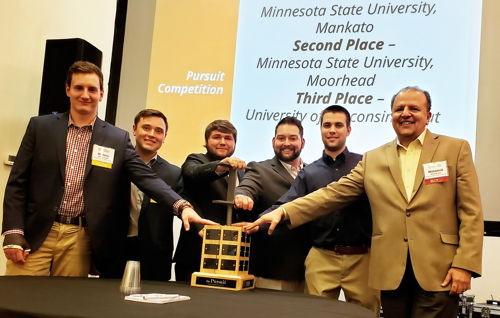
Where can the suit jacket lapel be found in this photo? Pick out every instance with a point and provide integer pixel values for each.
(97, 138)
(395, 166)
(60, 136)
(278, 167)
(431, 142)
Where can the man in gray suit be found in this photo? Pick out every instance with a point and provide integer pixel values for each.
(278, 260)
(66, 196)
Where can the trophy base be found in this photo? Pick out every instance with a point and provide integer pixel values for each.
(219, 281)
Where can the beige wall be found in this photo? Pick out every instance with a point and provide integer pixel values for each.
(487, 150)
(487, 134)
(135, 62)
(25, 26)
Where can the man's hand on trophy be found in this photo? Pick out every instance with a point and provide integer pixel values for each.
(230, 163)
(189, 215)
(274, 217)
(244, 224)
(243, 202)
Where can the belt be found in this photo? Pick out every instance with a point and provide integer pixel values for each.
(349, 250)
(74, 220)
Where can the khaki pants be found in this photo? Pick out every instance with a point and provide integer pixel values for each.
(65, 252)
(327, 272)
(276, 284)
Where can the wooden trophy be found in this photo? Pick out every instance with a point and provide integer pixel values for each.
(225, 254)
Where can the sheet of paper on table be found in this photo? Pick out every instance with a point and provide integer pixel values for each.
(157, 298)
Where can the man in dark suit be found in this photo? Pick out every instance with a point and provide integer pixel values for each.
(426, 211)
(66, 196)
(277, 261)
(150, 238)
(204, 180)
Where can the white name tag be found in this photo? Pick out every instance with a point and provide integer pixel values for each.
(102, 156)
(435, 172)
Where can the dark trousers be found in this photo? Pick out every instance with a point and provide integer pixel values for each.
(409, 300)
(156, 266)
(133, 249)
(183, 272)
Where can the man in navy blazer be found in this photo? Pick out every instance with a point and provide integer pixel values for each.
(66, 198)
(150, 237)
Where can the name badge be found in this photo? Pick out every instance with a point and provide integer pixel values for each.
(435, 172)
(102, 156)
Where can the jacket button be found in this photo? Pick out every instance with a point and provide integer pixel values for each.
(408, 214)
(405, 239)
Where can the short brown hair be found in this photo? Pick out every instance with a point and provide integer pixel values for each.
(289, 120)
(87, 68)
(148, 112)
(222, 126)
(336, 109)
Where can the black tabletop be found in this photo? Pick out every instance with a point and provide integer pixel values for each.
(81, 297)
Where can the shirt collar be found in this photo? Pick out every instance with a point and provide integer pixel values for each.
(340, 156)
(70, 122)
(289, 167)
(153, 160)
(420, 139)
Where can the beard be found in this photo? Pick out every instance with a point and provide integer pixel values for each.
(213, 153)
(287, 158)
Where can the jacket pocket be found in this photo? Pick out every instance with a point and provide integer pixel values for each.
(449, 238)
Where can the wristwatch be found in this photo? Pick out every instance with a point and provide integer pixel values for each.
(180, 205)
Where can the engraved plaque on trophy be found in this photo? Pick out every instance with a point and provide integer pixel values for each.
(225, 253)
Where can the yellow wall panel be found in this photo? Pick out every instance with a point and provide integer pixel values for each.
(197, 36)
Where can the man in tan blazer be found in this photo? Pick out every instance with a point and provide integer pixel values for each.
(427, 218)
